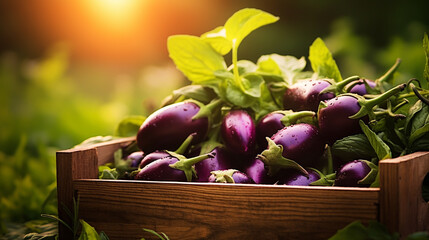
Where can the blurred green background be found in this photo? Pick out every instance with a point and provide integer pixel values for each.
(70, 70)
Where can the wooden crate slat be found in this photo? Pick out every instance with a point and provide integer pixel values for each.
(223, 211)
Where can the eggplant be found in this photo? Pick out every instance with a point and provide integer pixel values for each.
(296, 178)
(174, 167)
(359, 87)
(222, 160)
(301, 143)
(357, 173)
(306, 95)
(257, 171)
(339, 117)
(229, 176)
(135, 158)
(274, 121)
(168, 127)
(238, 132)
(164, 153)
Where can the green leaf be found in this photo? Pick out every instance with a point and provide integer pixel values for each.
(161, 236)
(419, 133)
(353, 147)
(236, 96)
(195, 58)
(354, 231)
(94, 140)
(246, 67)
(88, 232)
(103, 236)
(129, 126)
(108, 173)
(381, 148)
(426, 71)
(418, 236)
(252, 85)
(245, 21)
(197, 92)
(288, 67)
(322, 61)
(217, 39)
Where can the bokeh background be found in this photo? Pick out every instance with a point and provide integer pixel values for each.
(70, 70)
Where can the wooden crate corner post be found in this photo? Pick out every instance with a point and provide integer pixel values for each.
(402, 207)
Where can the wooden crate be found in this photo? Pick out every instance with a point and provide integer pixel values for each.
(121, 208)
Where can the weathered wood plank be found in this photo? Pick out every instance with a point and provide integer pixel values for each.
(80, 163)
(403, 209)
(219, 211)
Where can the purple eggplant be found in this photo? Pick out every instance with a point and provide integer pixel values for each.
(296, 178)
(301, 143)
(357, 173)
(238, 132)
(135, 158)
(229, 176)
(359, 87)
(274, 121)
(257, 171)
(306, 95)
(222, 160)
(153, 156)
(168, 127)
(339, 117)
(171, 168)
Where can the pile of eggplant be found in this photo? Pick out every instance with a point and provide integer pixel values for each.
(275, 121)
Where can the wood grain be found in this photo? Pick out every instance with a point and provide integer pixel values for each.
(222, 211)
(80, 163)
(403, 209)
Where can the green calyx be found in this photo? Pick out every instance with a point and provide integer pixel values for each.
(182, 148)
(187, 164)
(224, 176)
(291, 117)
(207, 110)
(338, 88)
(367, 105)
(274, 160)
(371, 176)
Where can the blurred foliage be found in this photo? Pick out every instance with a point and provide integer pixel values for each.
(43, 110)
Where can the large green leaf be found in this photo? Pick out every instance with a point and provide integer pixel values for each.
(286, 66)
(243, 22)
(195, 57)
(322, 62)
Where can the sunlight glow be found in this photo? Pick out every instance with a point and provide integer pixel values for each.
(118, 14)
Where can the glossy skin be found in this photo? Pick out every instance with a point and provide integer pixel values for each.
(305, 95)
(169, 126)
(351, 173)
(160, 170)
(301, 143)
(238, 132)
(238, 177)
(334, 121)
(360, 87)
(222, 160)
(267, 127)
(295, 178)
(135, 157)
(151, 157)
(256, 170)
